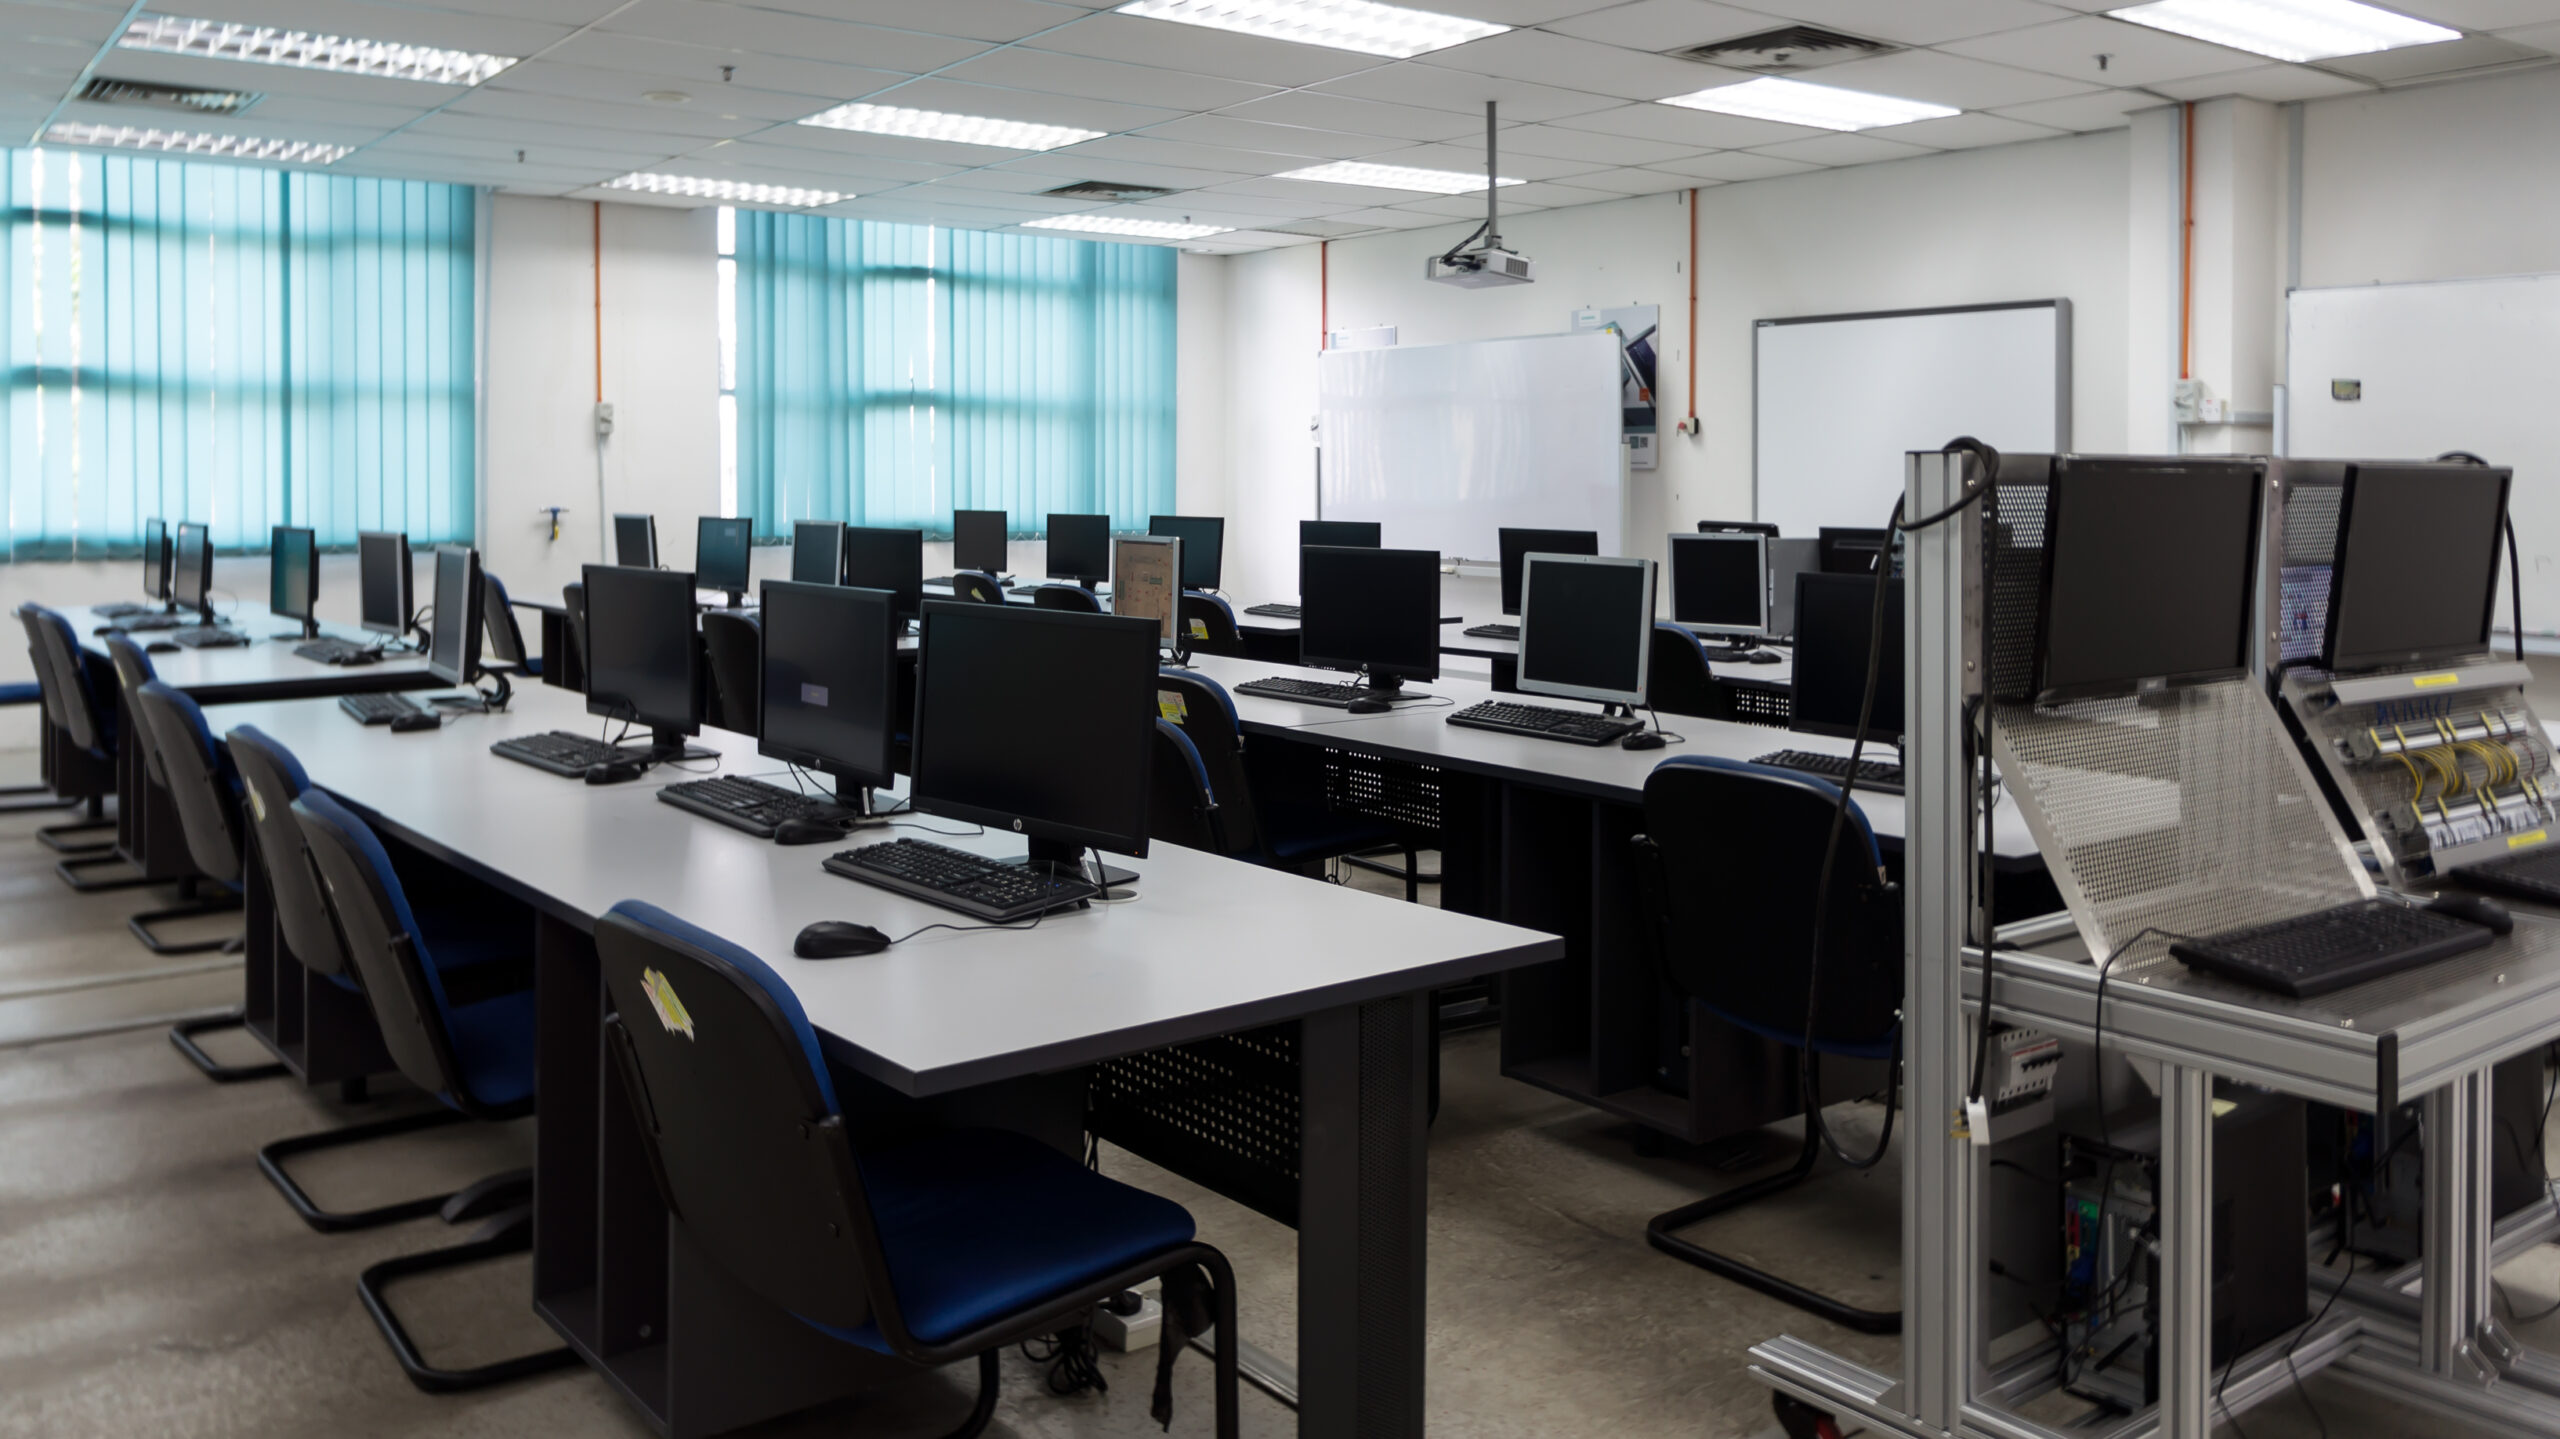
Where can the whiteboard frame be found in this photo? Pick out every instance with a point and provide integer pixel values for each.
(2060, 305)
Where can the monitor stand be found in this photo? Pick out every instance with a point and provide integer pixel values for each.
(667, 746)
(1060, 858)
(1389, 688)
(1729, 651)
(856, 800)
(310, 631)
(737, 598)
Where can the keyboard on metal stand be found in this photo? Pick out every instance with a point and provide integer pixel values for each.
(209, 639)
(1313, 692)
(1494, 632)
(335, 652)
(1570, 726)
(749, 804)
(2528, 874)
(1874, 775)
(559, 752)
(2330, 949)
(378, 709)
(992, 890)
(1273, 612)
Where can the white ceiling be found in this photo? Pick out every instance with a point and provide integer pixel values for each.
(1211, 114)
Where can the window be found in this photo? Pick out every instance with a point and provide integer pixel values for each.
(888, 374)
(237, 346)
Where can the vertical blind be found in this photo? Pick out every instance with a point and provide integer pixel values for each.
(890, 374)
(236, 346)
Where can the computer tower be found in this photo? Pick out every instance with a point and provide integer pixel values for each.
(2381, 1168)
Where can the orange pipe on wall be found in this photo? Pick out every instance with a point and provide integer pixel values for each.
(2187, 252)
(1692, 262)
(1324, 293)
(599, 226)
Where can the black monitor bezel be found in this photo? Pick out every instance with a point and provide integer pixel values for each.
(910, 587)
(203, 596)
(156, 559)
(440, 624)
(651, 522)
(310, 544)
(404, 569)
(702, 527)
(1830, 539)
(1192, 564)
(1429, 670)
(1891, 732)
(626, 710)
(1003, 522)
(2066, 465)
(1377, 541)
(1050, 545)
(1514, 556)
(802, 527)
(2339, 578)
(848, 597)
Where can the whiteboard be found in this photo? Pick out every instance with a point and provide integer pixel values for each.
(2447, 365)
(1444, 445)
(1838, 400)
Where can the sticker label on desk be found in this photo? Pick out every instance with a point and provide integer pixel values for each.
(1170, 705)
(2519, 841)
(2428, 682)
(662, 998)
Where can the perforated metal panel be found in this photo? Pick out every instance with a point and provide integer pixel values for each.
(1224, 1112)
(1395, 790)
(1753, 705)
(2309, 549)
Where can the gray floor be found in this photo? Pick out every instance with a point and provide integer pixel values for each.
(151, 1282)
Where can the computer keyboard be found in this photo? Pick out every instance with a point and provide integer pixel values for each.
(1494, 632)
(558, 752)
(748, 804)
(2329, 949)
(209, 639)
(378, 709)
(1313, 692)
(1273, 612)
(335, 652)
(2529, 874)
(1571, 726)
(1872, 774)
(119, 610)
(147, 624)
(987, 889)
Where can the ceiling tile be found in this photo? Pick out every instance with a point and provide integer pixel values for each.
(2137, 54)
(539, 110)
(2104, 110)
(1052, 73)
(1459, 207)
(1920, 22)
(1659, 25)
(1581, 65)
(1173, 46)
(1967, 84)
(1367, 117)
(1968, 131)
(64, 24)
(633, 87)
(1735, 165)
(1633, 181)
(1517, 12)
(1469, 160)
(549, 12)
(961, 98)
(2480, 14)
(1843, 150)
(700, 65)
(1388, 218)
(1179, 152)
(1411, 82)
(513, 130)
(1065, 166)
(825, 140)
(1556, 142)
(1697, 129)
(2540, 37)
(406, 24)
(305, 110)
(500, 155)
(2418, 62)
(2273, 83)
(879, 170)
(1553, 195)
(1009, 181)
(994, 20)
(1315, 197)
(748, 29)
(1295, 140)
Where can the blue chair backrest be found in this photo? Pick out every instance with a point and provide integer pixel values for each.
(271, 779)
(1067, 597)
(1206, 714)
(498, 619)
(201, 781)
(1209, 624)
(978, 586)
(381, 939)
(134, 669)
(84, 715)
(1181, 808)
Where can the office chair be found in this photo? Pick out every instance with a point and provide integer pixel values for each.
(133, 671)
(573, 597)
(1269, 830)
(1679, 681)
(1731, 911)
(931, 1249)
(89, 724)
(1067, 597)
(734, 644)
(977, 586)
(506, 638)
(29, 798)
(1181, 807)
(1209, 625)
(62, 785)
(476, 1057)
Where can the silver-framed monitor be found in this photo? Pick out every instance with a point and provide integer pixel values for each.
(1586, 627)
(1147, 582)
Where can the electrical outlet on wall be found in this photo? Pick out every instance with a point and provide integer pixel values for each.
(604, 419)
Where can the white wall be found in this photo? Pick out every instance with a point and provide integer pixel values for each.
(2436, 183)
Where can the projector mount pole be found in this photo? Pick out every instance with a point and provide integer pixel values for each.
(1492, 222)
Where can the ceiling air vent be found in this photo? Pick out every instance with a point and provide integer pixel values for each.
(191, 99)
(1785, 51)
(1105, 190)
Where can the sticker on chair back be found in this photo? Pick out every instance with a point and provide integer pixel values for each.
(258, 806)
(662, 998)
(1170, 705)
(1199, 629)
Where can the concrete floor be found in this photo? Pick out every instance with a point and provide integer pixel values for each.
(151, 1282)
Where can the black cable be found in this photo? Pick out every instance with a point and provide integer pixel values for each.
(1016, 928)
(1450, 256)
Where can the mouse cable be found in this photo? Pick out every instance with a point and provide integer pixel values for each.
(1667, 736)
(1016, 928)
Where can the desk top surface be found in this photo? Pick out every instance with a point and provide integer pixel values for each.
(1210, 945)
(263, 664)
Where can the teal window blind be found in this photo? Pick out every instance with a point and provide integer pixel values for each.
(236, 346)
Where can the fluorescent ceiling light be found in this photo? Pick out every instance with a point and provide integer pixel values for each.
(188, 142)
(1825, 107)
(960, 129)
(736, 192)
(266, 45)
(2289, 29)
(1126, 225)
(1360, 25)
(1391, 177)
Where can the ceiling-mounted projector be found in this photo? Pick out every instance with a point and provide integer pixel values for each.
(1488, 264)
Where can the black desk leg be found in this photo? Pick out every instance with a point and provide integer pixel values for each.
(1363, 1192)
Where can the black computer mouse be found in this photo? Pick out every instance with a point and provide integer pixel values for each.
(838, 939)
(412, 723)
(1761, 657)
(362, 657)
(620, 771)
(1643, 739)
(1369, 707)
(160, 647)
(2477, 909)
(807, 831)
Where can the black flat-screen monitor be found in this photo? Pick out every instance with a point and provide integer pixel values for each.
(191, 570)
(721, 548)
(1204, 542)
(2415, 580)
(1376, 611)
(817, 552)
(1851, 552)
(293, 573)
(453, 636)
(644, 656)
(831, 682)
(155, 559)
(1080, 548)
(1076, 776)
(1518, 544)
(1737, 527)
(1835, 614)
(978, 540)
(1720, 583)
(892, 560)
(2148, 564)
(382, 581)
(1336, 534)
(635, 541)
(1586, 627)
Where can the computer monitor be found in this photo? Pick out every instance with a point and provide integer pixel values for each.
(817, 552)
(892, 560)
(1737, 527)
(293, 576)
(831, 683)
(155, 559)
(1074, 774)
(382, 581)
(978, 540)
(1147, 582)
(2416, 575)
(1375, 611)
(1586, 628)
(720, 552)
(1834, 616)
(1204, 543)
(635, 541)
(1335, 534)
(1788, 558)
(453, 635)
(1518, 544)
(191, 571)
(1720, 584)
(2148, 566)
(1851, 551)
(1080, 548)
(644, 656)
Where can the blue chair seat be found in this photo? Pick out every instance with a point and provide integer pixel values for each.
(979, 1224)
(493, 1047)
(1296, 831)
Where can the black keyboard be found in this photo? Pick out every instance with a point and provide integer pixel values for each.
(377, 709)
(2528, 874)
(119, 610)
(1571, 726)
(1494, 632)
(1273, 612)
(2329, 949)
(335, 652)
(558, 752)
(148, 624)
(749, 804)
(1872, 774)
(987, 889)
(1313, 692)
(209, 639)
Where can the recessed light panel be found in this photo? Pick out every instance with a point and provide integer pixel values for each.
(1360, 25)
(959, 129)
(1825, 107)
(1126, 225)
(2294, 30)
(267, 45)
(1391, 177)
(189, 142)
(735, 192)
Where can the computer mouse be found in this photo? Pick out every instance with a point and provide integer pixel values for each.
(362, 657)
(1369, 707)
(412, 723)
(2477, 909)
(838, 939)
(1761, 657)
(806, 831)
(620, 771)
(160, 647)
(1643, 739)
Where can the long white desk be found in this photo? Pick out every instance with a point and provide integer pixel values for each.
(264, 668)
